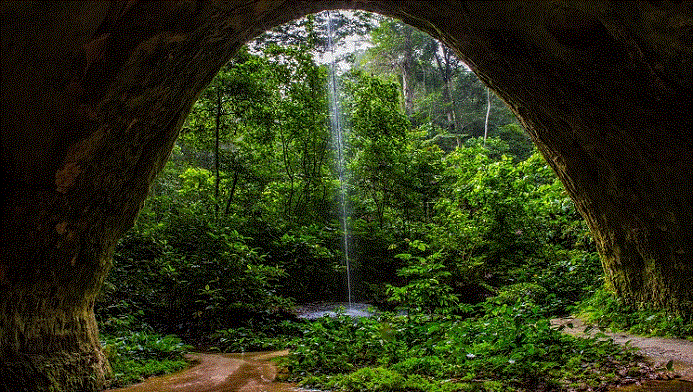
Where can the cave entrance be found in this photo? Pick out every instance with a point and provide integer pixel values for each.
(100, 91)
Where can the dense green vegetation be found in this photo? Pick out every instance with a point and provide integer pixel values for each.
(496, 347)
(137, 351)
(469, 246)
(607, 311)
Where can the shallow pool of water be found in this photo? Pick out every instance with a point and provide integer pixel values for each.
(331, 309)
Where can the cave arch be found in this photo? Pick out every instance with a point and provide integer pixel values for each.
(94, 94)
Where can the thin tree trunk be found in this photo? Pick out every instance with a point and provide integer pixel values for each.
(446, 75)
(406, 67)
(217, 120)
(231, 192)
(488, 111)
(289, 172)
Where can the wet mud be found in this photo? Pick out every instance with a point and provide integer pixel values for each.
(248, 372)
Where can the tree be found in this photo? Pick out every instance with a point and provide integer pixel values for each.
(395, 47)
(302, 128)
(344, 24)
(378, 134)
(232, 118)
(437, 87)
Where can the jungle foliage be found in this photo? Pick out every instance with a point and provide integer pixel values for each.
(494, 346)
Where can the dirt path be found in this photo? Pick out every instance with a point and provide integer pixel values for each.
(250, 372)
(658, 350)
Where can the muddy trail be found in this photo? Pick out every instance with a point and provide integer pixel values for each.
(248, 372)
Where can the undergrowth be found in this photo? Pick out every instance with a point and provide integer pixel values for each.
(135, 351)
(497, 347)
(264, 336)
(607, 311)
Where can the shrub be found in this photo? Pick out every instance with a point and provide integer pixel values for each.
(509, 346)
(136, 355)
(608, 311)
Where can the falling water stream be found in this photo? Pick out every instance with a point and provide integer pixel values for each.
(338, 139)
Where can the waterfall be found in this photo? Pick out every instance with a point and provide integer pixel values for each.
(338, 139)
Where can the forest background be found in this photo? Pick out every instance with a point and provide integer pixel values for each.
(457, 228)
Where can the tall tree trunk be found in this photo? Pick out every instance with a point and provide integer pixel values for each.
(407, 68)
(445, 69)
